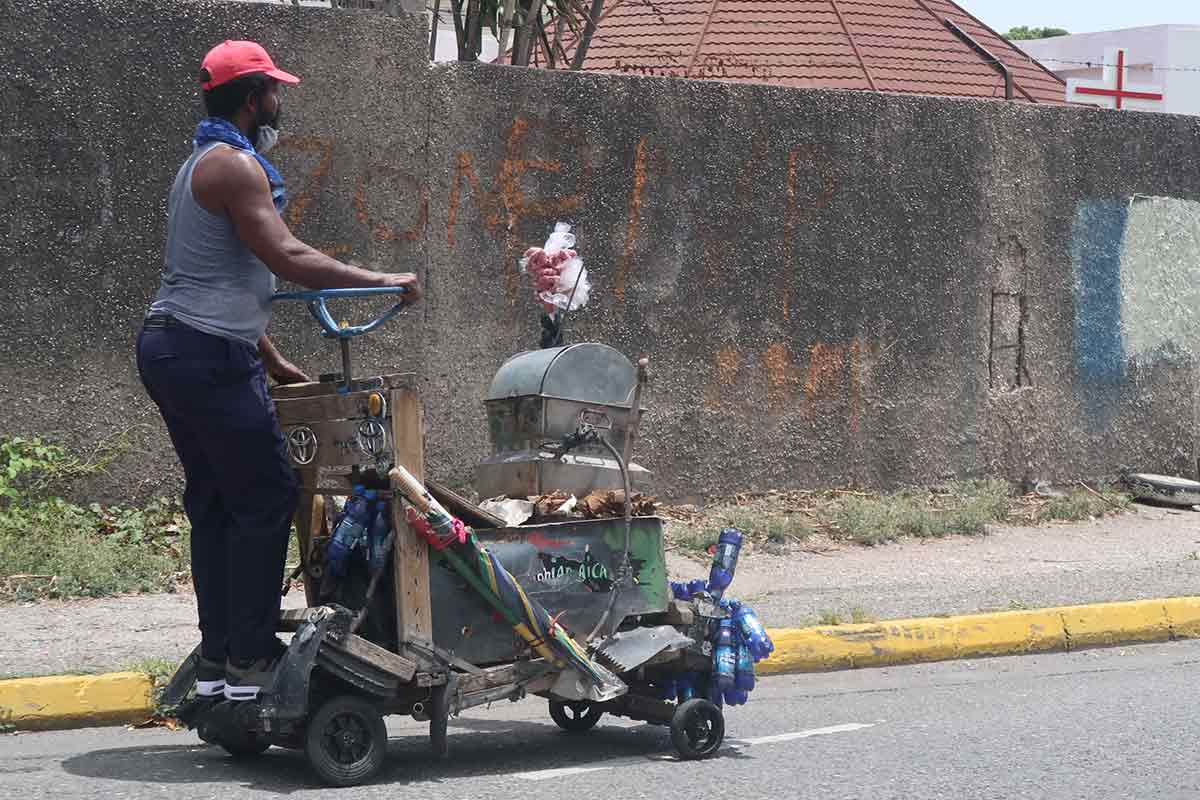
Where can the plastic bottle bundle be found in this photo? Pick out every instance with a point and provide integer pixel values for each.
(349, 530)
(738, 637)
(560, 281)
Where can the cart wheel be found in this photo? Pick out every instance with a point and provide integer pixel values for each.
(439, 715)
(246, 746)
(697, 729)
(225, 725)
(574, 717)
(346, 741)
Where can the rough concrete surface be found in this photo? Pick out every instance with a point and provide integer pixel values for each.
(832, 286)
(1150, 554)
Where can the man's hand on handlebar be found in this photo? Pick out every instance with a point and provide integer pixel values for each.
(406, 280)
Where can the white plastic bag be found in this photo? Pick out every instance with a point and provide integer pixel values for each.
(560, 280)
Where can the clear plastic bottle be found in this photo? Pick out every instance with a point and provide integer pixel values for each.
(378, 544)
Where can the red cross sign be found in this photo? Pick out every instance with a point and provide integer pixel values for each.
(1114, 90)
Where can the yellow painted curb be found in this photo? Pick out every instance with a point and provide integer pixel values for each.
(908, 641)
(75, 701)
(85, 700)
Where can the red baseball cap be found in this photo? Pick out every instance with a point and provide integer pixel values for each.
(230, 60)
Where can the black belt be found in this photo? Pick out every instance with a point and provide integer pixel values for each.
(160, 321)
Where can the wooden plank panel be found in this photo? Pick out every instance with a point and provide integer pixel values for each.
(320, 388)
(346, 442)
(414, 618)
(375, 655)
(327, 407)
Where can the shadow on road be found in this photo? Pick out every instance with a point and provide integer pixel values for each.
(477, 748)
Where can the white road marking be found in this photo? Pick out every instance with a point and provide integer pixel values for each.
(787, 737)
(547, 774)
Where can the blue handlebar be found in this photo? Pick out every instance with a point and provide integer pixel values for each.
(329, 328)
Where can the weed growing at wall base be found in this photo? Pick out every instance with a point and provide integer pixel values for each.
(50, 547)
(964, 507)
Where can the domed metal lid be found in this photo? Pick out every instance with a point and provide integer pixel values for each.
(587, 372)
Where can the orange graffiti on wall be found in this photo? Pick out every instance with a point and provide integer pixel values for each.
(834, 381)
(781, 374)
(635, 218)
(505, 205)
(726, 364)
(801, 207)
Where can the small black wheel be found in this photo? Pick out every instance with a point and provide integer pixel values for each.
(346, 741)
(697, 729)
(246, 746)
(231, 726)
(576, 717)
(439, 715)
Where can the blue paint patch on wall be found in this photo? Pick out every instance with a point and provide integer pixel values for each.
(1096, 238)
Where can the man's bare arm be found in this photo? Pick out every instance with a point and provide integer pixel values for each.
(236, 183)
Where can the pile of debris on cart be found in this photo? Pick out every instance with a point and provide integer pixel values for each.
(561, 506)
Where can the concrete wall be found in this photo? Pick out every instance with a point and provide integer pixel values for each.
(831, 286)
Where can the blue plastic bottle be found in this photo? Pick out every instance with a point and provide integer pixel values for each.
(744, 675)
(724, 656)
(680, 591)
(378, 544)
(753, 633)
(696, 586)
(724, 563)
(736, 697)
(349, 531)
(685, 686)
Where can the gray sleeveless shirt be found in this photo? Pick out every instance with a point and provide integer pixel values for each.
(211, 281)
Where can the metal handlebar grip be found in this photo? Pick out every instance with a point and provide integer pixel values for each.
(330, 329)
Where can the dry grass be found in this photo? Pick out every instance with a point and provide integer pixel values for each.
(776, 522)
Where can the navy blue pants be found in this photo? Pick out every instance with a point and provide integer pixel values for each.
(241, 491)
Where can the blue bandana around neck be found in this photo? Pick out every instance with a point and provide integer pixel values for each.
(216, 129)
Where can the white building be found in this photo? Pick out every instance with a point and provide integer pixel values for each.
(1163, 56)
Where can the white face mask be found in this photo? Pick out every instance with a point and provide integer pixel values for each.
(266, 139)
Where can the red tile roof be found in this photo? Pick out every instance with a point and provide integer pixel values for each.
(882, 45)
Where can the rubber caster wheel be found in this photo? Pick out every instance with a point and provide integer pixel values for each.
(575, 717)
(346, 741)
(697, 729)
(247, 746)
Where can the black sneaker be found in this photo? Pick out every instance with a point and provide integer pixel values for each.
(244, 679)
(210, 677)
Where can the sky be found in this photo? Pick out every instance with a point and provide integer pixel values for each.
(1083, 16)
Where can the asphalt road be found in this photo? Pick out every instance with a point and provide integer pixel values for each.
(1098, 724)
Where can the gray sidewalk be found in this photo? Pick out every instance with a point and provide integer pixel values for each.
(1149, 553)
